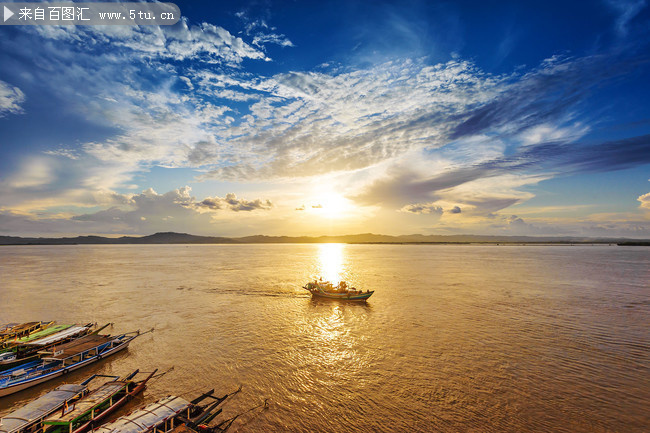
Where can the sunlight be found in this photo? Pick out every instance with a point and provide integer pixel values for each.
(331, 262)
(332, 205)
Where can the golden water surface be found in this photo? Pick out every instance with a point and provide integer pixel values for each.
(456, 338)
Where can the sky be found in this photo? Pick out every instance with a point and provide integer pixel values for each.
(332, 118)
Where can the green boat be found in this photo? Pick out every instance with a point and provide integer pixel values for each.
(94, 408)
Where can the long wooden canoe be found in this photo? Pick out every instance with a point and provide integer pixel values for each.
(62, 360)
(166, 414)
(95, 408)
(29, 418)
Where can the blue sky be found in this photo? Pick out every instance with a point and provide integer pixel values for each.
(310, 118)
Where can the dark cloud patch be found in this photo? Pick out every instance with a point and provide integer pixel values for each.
(402, 187)
(231, 202)
(571, 158)
(547, 94)
(399, 187)
(455, 209)
(423, 208)
(212, 203)
(203, 152)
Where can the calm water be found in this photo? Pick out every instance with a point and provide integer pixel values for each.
(455, 338)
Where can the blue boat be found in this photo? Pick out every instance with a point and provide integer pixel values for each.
(63, 359)
(325, 289)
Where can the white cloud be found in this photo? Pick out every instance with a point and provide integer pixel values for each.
(645, 201)
(11, 98)
(262, 39)
(551, 132)
(314, 123)
(203, 42)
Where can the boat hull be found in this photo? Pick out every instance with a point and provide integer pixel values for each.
(6, 365)
(342, 297)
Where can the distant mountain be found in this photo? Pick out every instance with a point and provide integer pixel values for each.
(365, 238)
(158, 238)
(181, 238)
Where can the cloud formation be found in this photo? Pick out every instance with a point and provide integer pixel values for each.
(203, 42)
(145, 212)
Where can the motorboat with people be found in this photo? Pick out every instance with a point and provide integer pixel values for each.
(341, 291)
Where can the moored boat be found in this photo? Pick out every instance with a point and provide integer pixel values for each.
(63, 359)
(325, 289)
(94, 408)
(166, 414)
(13, 332)
(29, 418)
(44, 332)
(28, 349)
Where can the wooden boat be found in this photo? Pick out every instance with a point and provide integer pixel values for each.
(28, 349)
(341, 292)
(63, 359)
(95, 407)
(29, 418)
(168, 413)
(13, 332)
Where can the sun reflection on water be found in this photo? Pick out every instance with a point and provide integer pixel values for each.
(331, 262)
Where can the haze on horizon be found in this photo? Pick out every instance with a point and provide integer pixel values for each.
(317, 119)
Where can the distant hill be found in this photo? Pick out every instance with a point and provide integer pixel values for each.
(158, 238)
(365, 238)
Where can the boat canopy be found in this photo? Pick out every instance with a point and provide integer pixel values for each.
(37, 409)
(78, 346)
(93, 399)
(43, 333)
(61, 335)
(146, 418)
(23, 327)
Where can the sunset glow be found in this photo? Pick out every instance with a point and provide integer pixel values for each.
(240, 120)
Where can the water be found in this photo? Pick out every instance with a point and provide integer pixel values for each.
(455, 338)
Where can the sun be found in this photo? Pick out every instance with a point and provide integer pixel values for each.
(332, 205)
